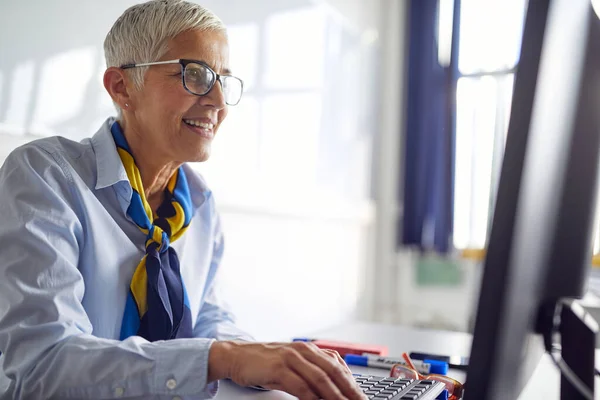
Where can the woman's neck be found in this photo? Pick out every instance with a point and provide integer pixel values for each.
(154, 169)
(155, 179)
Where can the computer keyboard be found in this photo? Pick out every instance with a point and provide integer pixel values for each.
(378, 388)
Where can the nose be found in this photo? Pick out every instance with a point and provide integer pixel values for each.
(215, 98)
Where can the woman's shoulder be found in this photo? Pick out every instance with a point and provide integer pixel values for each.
(55, 146)
(49, 158)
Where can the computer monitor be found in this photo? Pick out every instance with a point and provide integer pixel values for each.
(540, 243)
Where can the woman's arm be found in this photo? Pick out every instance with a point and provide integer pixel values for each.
(45, 334)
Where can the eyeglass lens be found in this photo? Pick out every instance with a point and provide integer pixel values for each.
(199, 80)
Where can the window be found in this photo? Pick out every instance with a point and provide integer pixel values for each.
(489, 45)
(303, 129)
(270, 139)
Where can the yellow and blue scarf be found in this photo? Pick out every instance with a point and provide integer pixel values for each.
(157, 306)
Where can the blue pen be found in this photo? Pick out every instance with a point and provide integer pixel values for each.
(375, 361)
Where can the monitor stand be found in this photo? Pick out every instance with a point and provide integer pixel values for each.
(578, 332)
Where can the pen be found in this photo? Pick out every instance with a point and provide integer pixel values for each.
(374, 361)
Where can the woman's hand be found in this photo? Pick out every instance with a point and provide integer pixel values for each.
(299, 368)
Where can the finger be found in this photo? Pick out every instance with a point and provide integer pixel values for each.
(336, 372)
(318, 380)
(338, 358)
(290, 382)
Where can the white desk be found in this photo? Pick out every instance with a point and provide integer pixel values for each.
(543, 385)
(591, 302)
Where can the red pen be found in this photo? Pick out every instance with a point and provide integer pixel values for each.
(345, 348)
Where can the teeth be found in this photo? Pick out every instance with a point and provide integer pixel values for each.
(205, 125)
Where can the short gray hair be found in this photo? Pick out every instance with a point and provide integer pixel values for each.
(142, 33)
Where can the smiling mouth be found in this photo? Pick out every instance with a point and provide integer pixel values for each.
(204, 129)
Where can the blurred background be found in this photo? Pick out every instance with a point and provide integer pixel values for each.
(357, 177)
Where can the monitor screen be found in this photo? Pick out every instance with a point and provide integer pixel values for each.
(540, 242)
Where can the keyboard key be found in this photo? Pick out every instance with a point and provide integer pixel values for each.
(398, 386)
(421, 387)
(409, 396)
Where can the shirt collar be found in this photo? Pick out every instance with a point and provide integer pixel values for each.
(110, 170)
(199, 191)
(109, 167)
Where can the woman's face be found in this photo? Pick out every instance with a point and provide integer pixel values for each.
(167, 115)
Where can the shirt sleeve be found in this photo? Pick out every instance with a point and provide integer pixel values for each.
(214, 319)
(46, 341)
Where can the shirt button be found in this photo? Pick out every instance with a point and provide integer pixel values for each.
(171, 384)
(119, 392)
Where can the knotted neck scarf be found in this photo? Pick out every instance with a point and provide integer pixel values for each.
(157, 306)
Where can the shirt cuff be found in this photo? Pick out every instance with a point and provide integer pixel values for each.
(182, 368)
(228, 331)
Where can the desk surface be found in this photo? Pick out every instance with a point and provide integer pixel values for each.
(543, 385)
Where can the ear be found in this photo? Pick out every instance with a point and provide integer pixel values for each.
(118, 86)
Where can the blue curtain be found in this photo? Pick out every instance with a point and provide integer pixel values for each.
(430, 134)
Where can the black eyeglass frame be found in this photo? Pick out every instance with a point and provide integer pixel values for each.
(184, 63)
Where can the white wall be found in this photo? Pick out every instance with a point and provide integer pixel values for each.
(361, 16)
(387, 168)
(291, 167)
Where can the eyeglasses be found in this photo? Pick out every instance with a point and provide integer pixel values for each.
(454, 387)
(199, 79)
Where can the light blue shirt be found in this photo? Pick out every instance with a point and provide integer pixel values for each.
(67, 254)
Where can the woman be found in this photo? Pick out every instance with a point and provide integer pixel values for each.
(111, 246)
